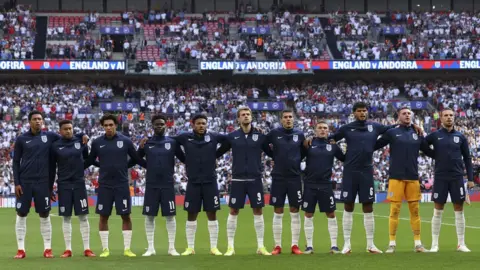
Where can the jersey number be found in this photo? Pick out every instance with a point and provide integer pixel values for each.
(125, 203)
(83, 203)
(259, 197)
(371, 191)
(171, 204)
(299, 194)
(332, 202)
(215, 200)
(47, 200)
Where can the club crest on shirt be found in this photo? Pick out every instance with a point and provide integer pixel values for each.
(370, 128)
(168, 146)
(77, 145)
(415, 136)
(456, 139)
(207, 138)
(329, 147)
(233, 200)
(345, 194)
(119, 144)
(100, 207)
(295, 138)
(255, 137)
(44, 138)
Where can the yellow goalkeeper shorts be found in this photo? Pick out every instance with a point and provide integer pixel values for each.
(399, 190)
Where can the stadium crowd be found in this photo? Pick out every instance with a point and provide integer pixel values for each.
(18, 27)
(311, 102)
(425, 35)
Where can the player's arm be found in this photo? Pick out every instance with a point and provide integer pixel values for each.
(383, 141)
(430, 139)
(338, 135)
(179, 152)
(339, 153)
(52, 170)
(224, 147)
(425, 148)
(133, 154)
(92, 157)
(17, 157)
(303, 150)
(266, 146)
(467, 159)
(384, 128)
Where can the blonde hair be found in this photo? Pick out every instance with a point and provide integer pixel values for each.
(243, 108)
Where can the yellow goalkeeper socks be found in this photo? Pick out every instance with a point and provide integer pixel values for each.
(415, 219)
(393, 219)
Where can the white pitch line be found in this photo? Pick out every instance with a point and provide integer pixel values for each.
(424, 221)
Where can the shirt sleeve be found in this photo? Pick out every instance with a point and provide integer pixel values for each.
(338, 135)
(224, 147)
(133, 154)
(339, 153)
(384, 128)
(467, 159)
(92, 157)
(52, 170)
(17, 157)
(425, 148)
(382, 141)
(179, 152)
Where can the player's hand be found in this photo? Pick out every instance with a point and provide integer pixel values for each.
(18, 191)
(85, 139)
(53, 196)
(419, 130)
(143, 142)
(308, 142)
(470, 184)
(257, 129)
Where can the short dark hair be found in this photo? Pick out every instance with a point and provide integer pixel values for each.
(359, 105)
(32, 113)
(447, 109)
(199, 116)
(108, 117)
(159, 116)
(403, 108)
(286, 111)
(64, 122)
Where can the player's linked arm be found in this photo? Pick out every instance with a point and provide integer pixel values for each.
(17, 157)
(92, 157)
(224, 147)
(382, 141)
(467, 159)
(339, 153)
(338, 135)
(425, 148)
(179, 153)
(52, 170)
(134, 156)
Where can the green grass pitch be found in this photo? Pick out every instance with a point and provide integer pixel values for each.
(245, 244)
